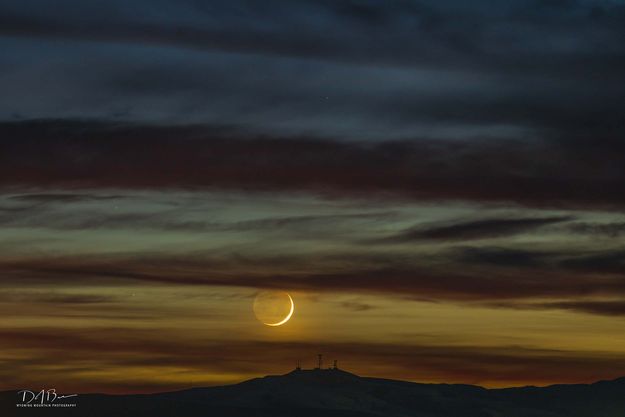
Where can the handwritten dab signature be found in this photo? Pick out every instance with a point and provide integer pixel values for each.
(43, 396)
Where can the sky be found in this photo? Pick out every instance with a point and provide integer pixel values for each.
(437, 185)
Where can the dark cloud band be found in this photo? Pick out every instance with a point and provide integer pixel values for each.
(86, 154)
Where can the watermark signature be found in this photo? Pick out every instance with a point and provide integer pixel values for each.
(44, 398)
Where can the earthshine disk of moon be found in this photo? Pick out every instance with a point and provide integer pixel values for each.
(273, 308)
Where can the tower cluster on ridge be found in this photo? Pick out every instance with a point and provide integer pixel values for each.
(319, 367)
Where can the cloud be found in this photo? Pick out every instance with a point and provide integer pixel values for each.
(405, 103)
(606, 262)
(345, 31)
(475, 229)
(613, 230)
(380, 70)
(61, 197)
(55, 298)
(357, 306)
(106, 351)
(485, 276)
(602, 307)
(65, 212)
(511, 258)
(605, 308)
(81, 154)
(588, 261)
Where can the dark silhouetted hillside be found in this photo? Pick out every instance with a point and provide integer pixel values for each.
(336, 393)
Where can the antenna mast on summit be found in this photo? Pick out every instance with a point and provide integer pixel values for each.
(320, 360)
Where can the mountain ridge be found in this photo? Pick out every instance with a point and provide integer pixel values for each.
(338, 393)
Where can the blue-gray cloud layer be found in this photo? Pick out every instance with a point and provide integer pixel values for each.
(348, 69)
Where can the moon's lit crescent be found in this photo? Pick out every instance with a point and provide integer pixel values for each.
(288, 316)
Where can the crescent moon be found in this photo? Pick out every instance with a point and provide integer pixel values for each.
(288, 316)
